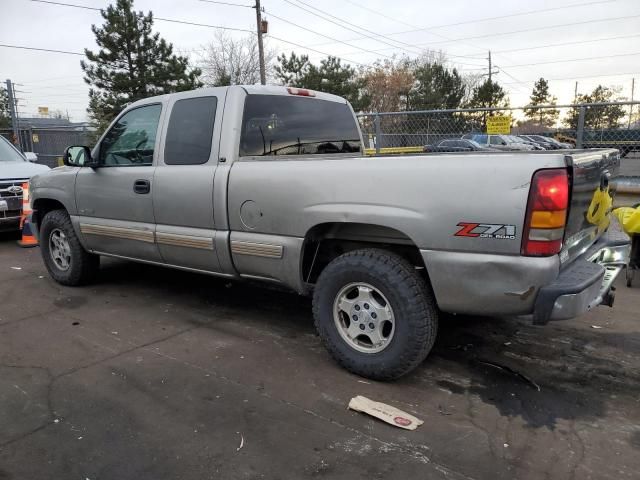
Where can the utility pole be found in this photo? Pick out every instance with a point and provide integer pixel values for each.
(263, 76)
(12, 111)
(489, 66)
(633, 86)
(575, 93)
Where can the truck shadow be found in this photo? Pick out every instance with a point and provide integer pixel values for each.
(539, 374)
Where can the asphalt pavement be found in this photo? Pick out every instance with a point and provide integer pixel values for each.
(159, 374)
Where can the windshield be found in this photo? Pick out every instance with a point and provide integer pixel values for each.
(8, 153)
(482, 139)
(289, 125)
(474, 143)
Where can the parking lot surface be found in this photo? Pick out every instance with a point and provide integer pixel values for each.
(160, 374)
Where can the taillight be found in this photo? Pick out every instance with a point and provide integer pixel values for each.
(546, 213)
(302, 92)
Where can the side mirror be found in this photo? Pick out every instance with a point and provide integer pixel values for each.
(504, 143)
(31, 157)
(78, 156)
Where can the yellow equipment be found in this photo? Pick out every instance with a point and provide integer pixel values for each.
(629, 218)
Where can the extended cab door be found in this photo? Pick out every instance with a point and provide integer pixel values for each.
(183, 184)
(114, 200)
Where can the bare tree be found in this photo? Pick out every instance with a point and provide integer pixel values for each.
(230, 61)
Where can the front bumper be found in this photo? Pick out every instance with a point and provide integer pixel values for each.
(586, 283)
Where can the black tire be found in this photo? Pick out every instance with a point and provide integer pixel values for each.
(412, 302)
(83, 266)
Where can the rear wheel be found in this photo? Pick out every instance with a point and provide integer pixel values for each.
(65, 258)
(375, 314)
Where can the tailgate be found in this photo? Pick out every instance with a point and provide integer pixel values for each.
(593, 175)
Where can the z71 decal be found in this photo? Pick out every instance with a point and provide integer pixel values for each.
(486, 230)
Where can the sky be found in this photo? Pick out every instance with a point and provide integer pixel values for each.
(589, 41)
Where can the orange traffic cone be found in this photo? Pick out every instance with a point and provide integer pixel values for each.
(28, 239)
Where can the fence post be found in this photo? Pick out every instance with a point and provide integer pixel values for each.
(376, 124)
(580, 131)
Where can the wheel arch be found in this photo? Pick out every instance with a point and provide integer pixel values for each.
(326, 241)
(42, 206)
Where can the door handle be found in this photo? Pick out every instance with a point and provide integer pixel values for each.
(142, 186)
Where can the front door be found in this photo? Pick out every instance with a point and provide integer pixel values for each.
(115, 199)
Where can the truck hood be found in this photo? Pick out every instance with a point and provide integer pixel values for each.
(20, 170)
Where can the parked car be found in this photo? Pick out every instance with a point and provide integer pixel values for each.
(15, 169)
(457, 145)
(499, 142)
(542, 143)
(270, 183)
(561, 144)
(527, 141)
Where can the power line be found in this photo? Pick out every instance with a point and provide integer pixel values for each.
(548, 45)
(227, 3)
(50, 50)
(161, 19)
(317, 51)
(208, 26)
(575, 60)
(324, 15)
(474, 21)
(323, 35)
(500, 17)
(578, 78)
(498, 34)
(517, 31)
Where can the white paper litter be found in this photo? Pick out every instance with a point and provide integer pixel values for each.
(16, 268)
(384, 412)
(596, 326)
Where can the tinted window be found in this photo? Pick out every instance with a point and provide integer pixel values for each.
(495, 140)
(132, 139)
(288, 125)
(190, 131)
(447, 143)
(481, 139)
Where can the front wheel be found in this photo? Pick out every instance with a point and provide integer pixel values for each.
(375, 314)
(66, 260)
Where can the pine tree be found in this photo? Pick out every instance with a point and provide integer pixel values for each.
(330, 77)
(597, 117)
(488, 94)
(132, 63)
(436, 87)
(540, 95)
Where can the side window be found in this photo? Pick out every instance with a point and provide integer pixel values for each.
(132, 139)
(495, 140)
(190, 131)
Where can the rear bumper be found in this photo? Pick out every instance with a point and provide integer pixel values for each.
(586, 282)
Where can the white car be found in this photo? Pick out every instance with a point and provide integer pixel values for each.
(499, 142)
(15, 169)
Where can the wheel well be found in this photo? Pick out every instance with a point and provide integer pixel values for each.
(327, 241)
(42, 206)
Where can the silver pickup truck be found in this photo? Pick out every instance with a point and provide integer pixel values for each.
(270, 183)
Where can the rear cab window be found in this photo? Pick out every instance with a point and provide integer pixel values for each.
(290, 125)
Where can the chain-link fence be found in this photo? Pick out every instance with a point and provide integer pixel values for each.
(592, 125)
(49, 143)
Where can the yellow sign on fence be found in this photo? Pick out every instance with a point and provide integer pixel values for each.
(43, 110)
(499, 124)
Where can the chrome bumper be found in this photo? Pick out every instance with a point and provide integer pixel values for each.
(586, 283)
